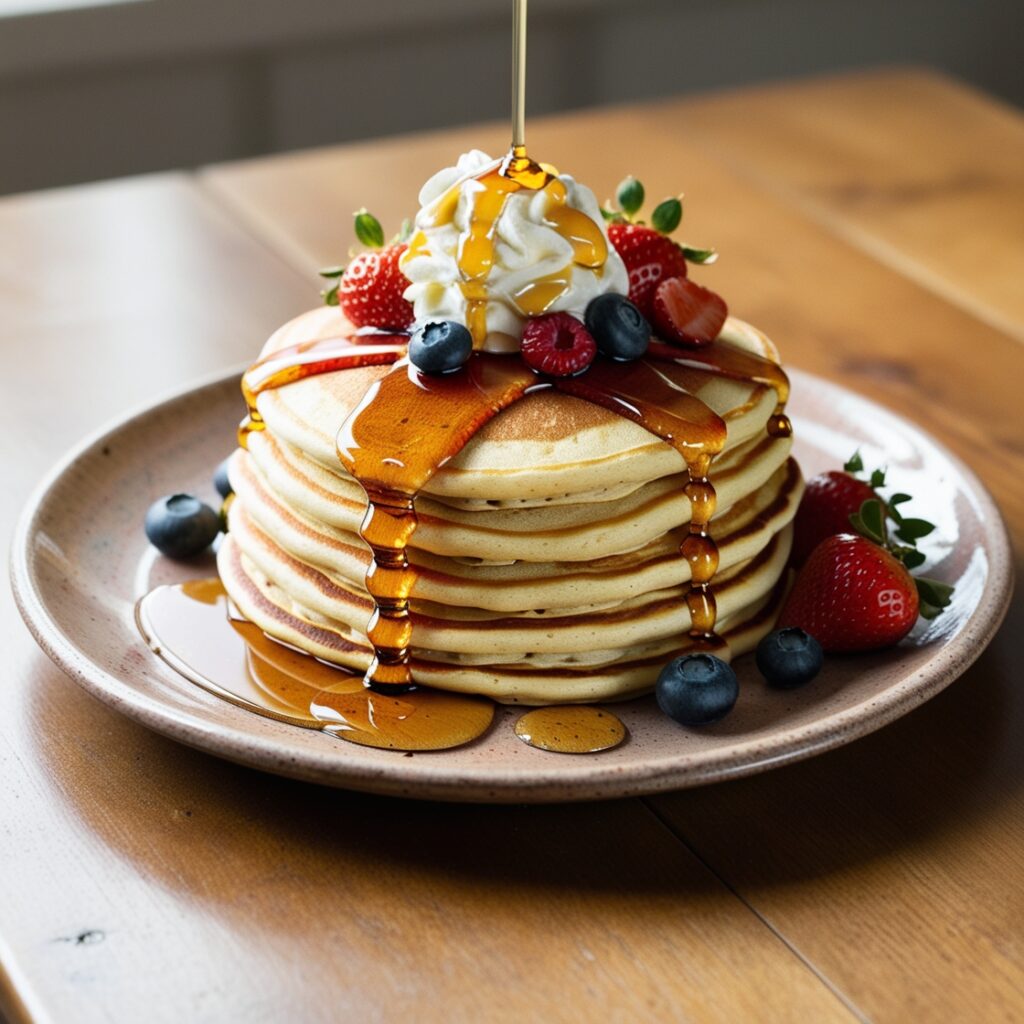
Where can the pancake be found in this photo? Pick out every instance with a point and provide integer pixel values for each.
(544, 446)
(546, 552)
(529, 680)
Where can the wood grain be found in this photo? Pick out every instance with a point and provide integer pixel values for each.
(147, 881)
(922, 172)
(894, 864)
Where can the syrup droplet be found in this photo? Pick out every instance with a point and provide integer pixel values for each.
(571, 729)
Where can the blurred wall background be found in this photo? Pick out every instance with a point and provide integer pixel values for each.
(97, 89)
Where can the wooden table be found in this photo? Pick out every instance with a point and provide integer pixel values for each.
(874, 226)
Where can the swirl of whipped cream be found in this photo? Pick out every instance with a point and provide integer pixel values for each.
(489, 255)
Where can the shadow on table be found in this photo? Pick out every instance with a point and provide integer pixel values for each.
(212, 828)
(942, 772)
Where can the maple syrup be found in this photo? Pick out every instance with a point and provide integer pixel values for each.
(571, 729)
(309, 359)
(192, 628)
(394, 456)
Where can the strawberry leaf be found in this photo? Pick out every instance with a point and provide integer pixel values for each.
(872, 519)
(894, 512)
(912, 530)
(611, 216)
(630, 195)
(667, 215)
(934, 593)
(330, 296)
(911, 557)
(878, 478)
(368, 229)
(702, 256)
(854, 464)
(331, 273)
(865, 530)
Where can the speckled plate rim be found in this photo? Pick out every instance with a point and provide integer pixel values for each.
(568, 779)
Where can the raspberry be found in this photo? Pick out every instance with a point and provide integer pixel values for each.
(557, 344)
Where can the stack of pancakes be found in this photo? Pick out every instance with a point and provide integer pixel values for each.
(547, 551)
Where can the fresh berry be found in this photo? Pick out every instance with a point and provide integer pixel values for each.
(440, 346)
(687, 314)
(852, 595)
(825, 509)
(696, 689)
(650, 258)
(180, 526)
(370, 290)
(617, 326)
(220, 479)
(557, 344)
(789, 657)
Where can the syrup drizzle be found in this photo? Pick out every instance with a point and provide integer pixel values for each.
(393, 457)
(488, 194)
(310, 359)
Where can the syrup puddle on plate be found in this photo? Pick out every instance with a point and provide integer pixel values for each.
(194, 629)
(571, 729)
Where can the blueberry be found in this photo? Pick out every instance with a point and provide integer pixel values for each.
(440, 346)
(618, 327)
(789, 657)
(180, 526)
(220, 479)
(697, 689)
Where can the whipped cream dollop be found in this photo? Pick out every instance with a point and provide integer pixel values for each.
(489, 254)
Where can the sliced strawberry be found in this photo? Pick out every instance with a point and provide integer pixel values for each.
(370, 290)
(557, 344)
(650, 258)
(825, 509)
(687, 314)
(852, 595)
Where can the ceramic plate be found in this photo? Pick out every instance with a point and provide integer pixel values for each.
(80, 562)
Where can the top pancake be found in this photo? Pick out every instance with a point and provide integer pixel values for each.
(547, 445)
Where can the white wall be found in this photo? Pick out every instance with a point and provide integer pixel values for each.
(155, 84)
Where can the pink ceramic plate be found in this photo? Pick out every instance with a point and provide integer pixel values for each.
(80, 561)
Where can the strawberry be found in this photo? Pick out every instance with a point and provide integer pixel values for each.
(650, 257)
(687, 314)
(370, 290)
(557, 344)
(852, 595)
(825, 509)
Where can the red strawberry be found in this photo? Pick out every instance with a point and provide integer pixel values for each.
(370, 290)
(650, 257)
(852, 595)
(557, 344)
(687, 314)
(825, 510)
